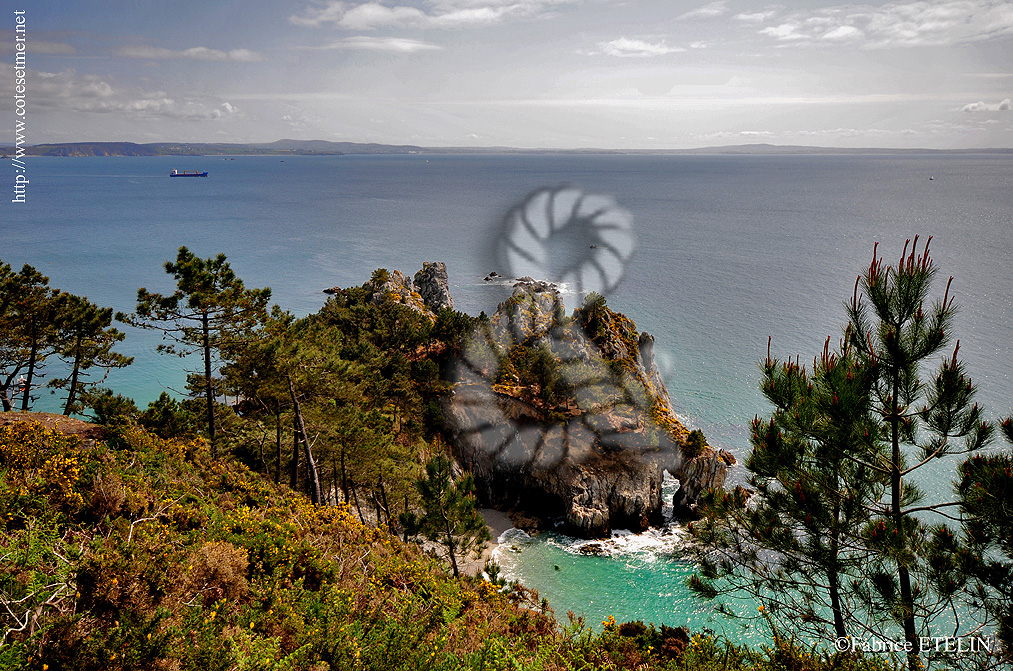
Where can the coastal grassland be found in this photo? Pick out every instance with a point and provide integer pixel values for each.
(141, 551)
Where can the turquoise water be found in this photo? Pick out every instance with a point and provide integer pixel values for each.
(731, 250)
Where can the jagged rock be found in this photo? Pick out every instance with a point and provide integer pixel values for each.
(529, 313)
(706, 471)
(595, 459)
(431, 283)
(398, 288)
(645, 358)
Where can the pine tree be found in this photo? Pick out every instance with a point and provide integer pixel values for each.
(27, 324)
(894, 333)
(209, 309)
(85, 341)
(794, 545)
(986, 493)
(449, 513)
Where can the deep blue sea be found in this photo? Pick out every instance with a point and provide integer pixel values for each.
(730, 250)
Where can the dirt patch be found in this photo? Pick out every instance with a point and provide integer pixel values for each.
(67, 425)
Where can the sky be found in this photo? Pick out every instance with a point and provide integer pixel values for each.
(638, 74)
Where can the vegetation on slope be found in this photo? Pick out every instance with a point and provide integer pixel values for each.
(143, 552)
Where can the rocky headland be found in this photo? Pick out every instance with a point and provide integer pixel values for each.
(561, 417)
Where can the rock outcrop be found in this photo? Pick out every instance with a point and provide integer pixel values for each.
(569, 417)
(706, 471)
(427, 294)
(433, 286)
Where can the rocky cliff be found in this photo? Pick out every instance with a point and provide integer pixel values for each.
(569, 417)
(427, 294)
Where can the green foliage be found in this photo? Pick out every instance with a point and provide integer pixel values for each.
(174, 560)
(108, 408)
(986, 494)
(28, 309)
(695, 444)
(85, 341)
(209, 310)
(449, 514)
(795, 548)
(893, 335)
(168, 418)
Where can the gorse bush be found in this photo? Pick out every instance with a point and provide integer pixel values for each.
(168, 559)
(37, 459)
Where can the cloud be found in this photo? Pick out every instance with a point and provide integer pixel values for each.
(39, 47)
(195, 53)
(981, 106)
(68, 92)
(755, 16)
(708, 11)
(396, 45)
(897, 24)
(441, 13)
(374, 15)
(626, 47)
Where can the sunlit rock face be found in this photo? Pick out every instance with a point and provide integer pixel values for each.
(568, 417)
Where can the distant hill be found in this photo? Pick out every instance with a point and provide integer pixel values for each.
(327, 148)
(92, 149)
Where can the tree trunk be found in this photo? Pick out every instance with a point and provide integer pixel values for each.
(405, 528)
(277, 438)
(383, 497)
(344, 475)
(903, 576)
(31, 371)
(333, 477)
(452, 548)
(355, 496)
(5, 400)
(833, 575)
(209, 391)
(72, 392)
(312, 478)
(293, 471)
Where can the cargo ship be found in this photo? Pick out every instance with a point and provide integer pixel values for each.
(177, 173)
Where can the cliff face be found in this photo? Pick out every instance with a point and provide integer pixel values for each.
(427, 294)
(433, 286)
(569, 417)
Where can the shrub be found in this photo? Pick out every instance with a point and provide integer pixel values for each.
(695, 444)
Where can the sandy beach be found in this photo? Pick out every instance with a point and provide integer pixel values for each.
(497, 522)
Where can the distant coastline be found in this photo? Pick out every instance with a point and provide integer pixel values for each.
(327, 148)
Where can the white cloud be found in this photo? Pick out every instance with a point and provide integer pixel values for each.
(626, 47)
(982, 106)
(195, 53)
(397, 45)
(66, 91)
(374, 15)
(898, 24)
(755, 16)
(40, 47)
(841, 33)
(441, 14)
(708, 11)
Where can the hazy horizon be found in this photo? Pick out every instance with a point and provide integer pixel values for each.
(533, 74)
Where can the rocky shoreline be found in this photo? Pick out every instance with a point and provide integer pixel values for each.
(561, 417)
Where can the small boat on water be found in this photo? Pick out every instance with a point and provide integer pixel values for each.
(177, 173)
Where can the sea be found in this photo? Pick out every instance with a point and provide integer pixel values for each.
(728, 252)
